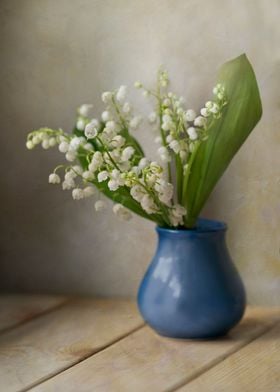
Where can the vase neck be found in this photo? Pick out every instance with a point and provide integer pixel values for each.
(205, 228)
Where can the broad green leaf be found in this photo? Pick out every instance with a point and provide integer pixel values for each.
(226, 134)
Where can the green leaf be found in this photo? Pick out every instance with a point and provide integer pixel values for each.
(226, 134)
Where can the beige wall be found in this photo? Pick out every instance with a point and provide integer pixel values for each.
(56, 54)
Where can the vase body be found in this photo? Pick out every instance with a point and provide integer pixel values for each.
(192, 288)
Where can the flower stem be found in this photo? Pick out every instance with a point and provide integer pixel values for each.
(188, 171)
(162, 134)
(109, 155)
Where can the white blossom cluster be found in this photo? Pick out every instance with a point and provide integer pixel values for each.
(102, 154)
(182, 129)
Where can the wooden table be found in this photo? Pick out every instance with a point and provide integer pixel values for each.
(60, 344)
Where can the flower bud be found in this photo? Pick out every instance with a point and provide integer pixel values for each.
(29, 144)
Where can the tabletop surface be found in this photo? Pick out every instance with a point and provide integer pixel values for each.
(51, 343)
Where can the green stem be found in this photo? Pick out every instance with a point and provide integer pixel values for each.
(48, 131)
(179, 177)
(179, 166)
(122, 120)
(116, 166)
(125, 129)
(163, 135)
(109, 155)
(58, 167)
(156, 201)
(191, 160)
(188, 171)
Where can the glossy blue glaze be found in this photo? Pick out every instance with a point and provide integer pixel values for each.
(192, 288)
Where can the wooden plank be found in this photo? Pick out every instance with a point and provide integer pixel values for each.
(144, 361)
(57, 340)
(256, 368)
(17, 309)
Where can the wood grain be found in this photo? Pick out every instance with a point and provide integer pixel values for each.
(17, 309)
(256, 368)
(55, 341)
(144, 361)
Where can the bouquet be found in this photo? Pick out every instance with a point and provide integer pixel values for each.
(103, 156)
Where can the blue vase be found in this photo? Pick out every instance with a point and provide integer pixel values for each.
(192, 288)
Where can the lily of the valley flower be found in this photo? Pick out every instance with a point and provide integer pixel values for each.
(91, 129)
(122, 212)
(107, 156)
(100, 205)
(84, 110)
(54, 178)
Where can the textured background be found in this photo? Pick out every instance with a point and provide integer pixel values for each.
(58, 54)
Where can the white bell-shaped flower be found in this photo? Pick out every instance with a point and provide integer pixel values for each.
(91, 130)
(121, 94)
(99, 205)
(122, 212)
(84, 110)
(192, 133)
(54, 178)
(190, 115)
(77, 194)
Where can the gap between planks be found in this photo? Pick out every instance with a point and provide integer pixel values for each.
(77, 314)
(95, 351)
(183, 380)
(218, 361)
(36, 314)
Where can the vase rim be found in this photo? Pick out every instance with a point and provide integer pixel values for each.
(203, 226)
